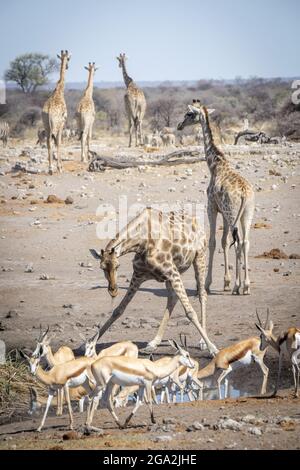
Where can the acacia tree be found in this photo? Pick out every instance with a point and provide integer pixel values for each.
(30, 71)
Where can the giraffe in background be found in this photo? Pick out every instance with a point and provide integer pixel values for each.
(85, 114)
(135, 104)
(54, 113)
(228, 193)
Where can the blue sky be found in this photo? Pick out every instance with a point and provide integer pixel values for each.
(164, 39)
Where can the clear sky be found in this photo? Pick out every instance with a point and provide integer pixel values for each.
(164, 39)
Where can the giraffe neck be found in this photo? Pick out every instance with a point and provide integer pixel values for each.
(126, 77)
(90, 85)
(61, 82)
(132, 237)
(213, 155)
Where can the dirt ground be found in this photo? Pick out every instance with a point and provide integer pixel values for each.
(66, 290)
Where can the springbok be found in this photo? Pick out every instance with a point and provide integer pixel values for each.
(123, 348)
(62, 355)
(238, 355)
(287, 343)
(62, 376)
(127, 371)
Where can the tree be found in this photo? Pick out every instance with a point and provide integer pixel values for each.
(162, 111)
(30, 71)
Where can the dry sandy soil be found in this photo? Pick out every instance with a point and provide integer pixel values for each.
(67, 290)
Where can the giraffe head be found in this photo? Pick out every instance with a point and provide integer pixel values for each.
(91, 67)
(64, 57)
(196, 114)
(109, 263)
(122, 59)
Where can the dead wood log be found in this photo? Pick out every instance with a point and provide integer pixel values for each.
(178, 157)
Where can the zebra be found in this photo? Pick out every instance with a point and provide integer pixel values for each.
(4, 132)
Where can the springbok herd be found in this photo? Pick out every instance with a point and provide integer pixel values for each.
(165, 245)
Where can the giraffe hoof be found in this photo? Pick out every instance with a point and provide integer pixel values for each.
(246, 291)
(202, 345)
(226, 286)
(150, 348)
(50, 171)
(236, 291)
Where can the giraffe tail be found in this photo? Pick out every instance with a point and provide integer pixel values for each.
(235, 231)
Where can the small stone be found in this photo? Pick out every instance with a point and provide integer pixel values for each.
(165, 438)
(255, 431)
(249, 419)
(231, 424)
(52, 199)
(70, 436)
(29, 268)
(12, 314)
(44, 277)
(69, 200)
(196, 426)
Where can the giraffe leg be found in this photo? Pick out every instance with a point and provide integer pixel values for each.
(200, 267)
(238, 269)
(246, 224)
(135, 283)
(178, 287)
(225, 246)
(50, 152)
(172, 300)
(212, 213)
(131, 127)
(58, 145)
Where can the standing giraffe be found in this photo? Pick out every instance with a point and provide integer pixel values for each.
(85, 114)
(165, 246)
(54, 113)
(135, 104)
(228, 193)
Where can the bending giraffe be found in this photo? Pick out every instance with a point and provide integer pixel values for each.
(165, 246)
(228, 193)
(135, 104)
(85, 114)
(54, 113)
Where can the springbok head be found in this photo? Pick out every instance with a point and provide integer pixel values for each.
(185, 358)
(266, 330)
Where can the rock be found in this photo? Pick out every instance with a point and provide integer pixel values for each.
(165, 438)
(12, 314)
(52, 199)
(255, 431)
(170, 421)
(229, 423)
(196, 426)
(44, 277)
(69, 200)
(294, 256)
(275, 253)
(70, 436)
(29, 268)
(274, 186)
(249, 419)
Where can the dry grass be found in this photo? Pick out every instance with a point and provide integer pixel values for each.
(15, 381)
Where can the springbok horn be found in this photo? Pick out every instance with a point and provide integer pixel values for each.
(259, 320)
(185, 341)
(268, 316)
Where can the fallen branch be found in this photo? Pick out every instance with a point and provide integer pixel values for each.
(178, 157)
